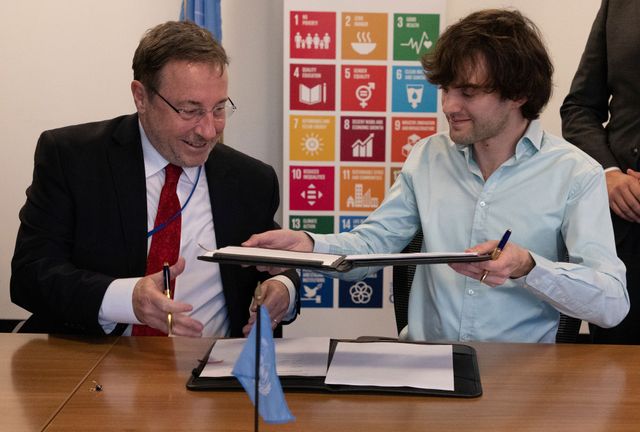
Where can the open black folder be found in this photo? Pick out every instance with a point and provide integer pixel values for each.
(331, 262)
(465, 371)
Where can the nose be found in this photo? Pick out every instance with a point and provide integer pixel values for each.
(209, 127)
(450, 103)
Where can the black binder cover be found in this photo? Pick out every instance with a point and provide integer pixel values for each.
(342, 262)
(466, 377)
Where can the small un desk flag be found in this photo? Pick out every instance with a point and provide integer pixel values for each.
(271, 403)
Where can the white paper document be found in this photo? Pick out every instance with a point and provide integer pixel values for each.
(294, 357)
(389, 364)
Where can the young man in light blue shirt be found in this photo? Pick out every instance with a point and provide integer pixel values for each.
(495, 169)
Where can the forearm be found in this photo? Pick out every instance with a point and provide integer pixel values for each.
(595, 296)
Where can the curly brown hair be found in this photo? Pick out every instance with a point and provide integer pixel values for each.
(516, 59)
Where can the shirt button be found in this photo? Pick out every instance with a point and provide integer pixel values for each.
(635, 150)
(471, 292)
(482, 204)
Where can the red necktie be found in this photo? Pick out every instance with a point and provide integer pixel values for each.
(165, 243)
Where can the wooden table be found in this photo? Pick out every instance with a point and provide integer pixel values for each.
(38, 374)
(527, 387)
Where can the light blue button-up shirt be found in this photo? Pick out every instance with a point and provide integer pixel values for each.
(553, 197)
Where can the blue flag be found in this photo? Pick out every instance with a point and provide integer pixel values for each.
(205, 13)
(272, 407)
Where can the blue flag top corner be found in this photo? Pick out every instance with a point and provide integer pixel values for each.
(273, 407)
(205, 13)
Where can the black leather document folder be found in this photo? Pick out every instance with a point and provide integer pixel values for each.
(466, 376)
(331, 262)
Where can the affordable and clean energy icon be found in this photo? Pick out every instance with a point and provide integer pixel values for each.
(364, 93)
(364, 45)
(417, 46)
(414, 94)
(311, 194)
(312, 144)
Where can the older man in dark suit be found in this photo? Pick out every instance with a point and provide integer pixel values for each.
(601, 115)
(96, 211)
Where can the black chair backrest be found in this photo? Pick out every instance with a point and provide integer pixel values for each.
(568, 329)
(402, 280)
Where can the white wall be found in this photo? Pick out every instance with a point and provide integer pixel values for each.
(69, 61)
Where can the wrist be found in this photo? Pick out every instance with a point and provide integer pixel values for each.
(525, 267)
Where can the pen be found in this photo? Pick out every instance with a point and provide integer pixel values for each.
(497, 251)
(166, 273)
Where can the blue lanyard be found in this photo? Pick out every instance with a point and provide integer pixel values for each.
(179, 212)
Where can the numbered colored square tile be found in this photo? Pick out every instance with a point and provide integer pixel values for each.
(312, 34)
(393, 174)
(364, 36)
(411, 92)
(364, 88)
(311, 188)
(406, 132)
(311, 138)
(314, 224)
(362, 139)
(312, 87)
(347, 223)
(361, 294)
(414, 35)
(317, 290)
(361, 188)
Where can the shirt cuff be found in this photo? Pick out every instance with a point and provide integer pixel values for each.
(117, 304)
(319, 246)
(291, 310)
(612, 169)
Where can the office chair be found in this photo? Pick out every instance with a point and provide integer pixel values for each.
(568, 329)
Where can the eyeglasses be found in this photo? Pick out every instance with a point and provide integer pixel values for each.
(220, 112)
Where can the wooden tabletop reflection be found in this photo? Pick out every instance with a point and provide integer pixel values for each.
(38, 374)
(527, 387)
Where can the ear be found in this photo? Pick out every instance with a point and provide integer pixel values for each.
(139, 96)
(519, 102)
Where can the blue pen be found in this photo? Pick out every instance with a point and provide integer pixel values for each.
(497, 251)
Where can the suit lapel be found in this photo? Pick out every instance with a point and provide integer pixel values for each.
(127, 166)
(223, 189)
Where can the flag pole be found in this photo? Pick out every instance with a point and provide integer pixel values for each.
(258, 300)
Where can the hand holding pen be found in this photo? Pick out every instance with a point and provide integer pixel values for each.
(497, 251)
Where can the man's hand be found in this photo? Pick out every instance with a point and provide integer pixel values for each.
(280, 239)
(624, 194)
(514, 262)
(151, 306)
(276, 299)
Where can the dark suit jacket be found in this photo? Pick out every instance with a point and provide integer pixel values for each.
(84, 223)
(606, 87)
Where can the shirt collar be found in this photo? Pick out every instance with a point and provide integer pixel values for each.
(529, 143)
(154, 162)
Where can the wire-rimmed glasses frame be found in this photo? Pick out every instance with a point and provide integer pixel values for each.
(220, 111)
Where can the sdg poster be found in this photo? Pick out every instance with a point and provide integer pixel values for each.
(356, 101)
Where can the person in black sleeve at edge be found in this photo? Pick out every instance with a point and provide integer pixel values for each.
(601, 115)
